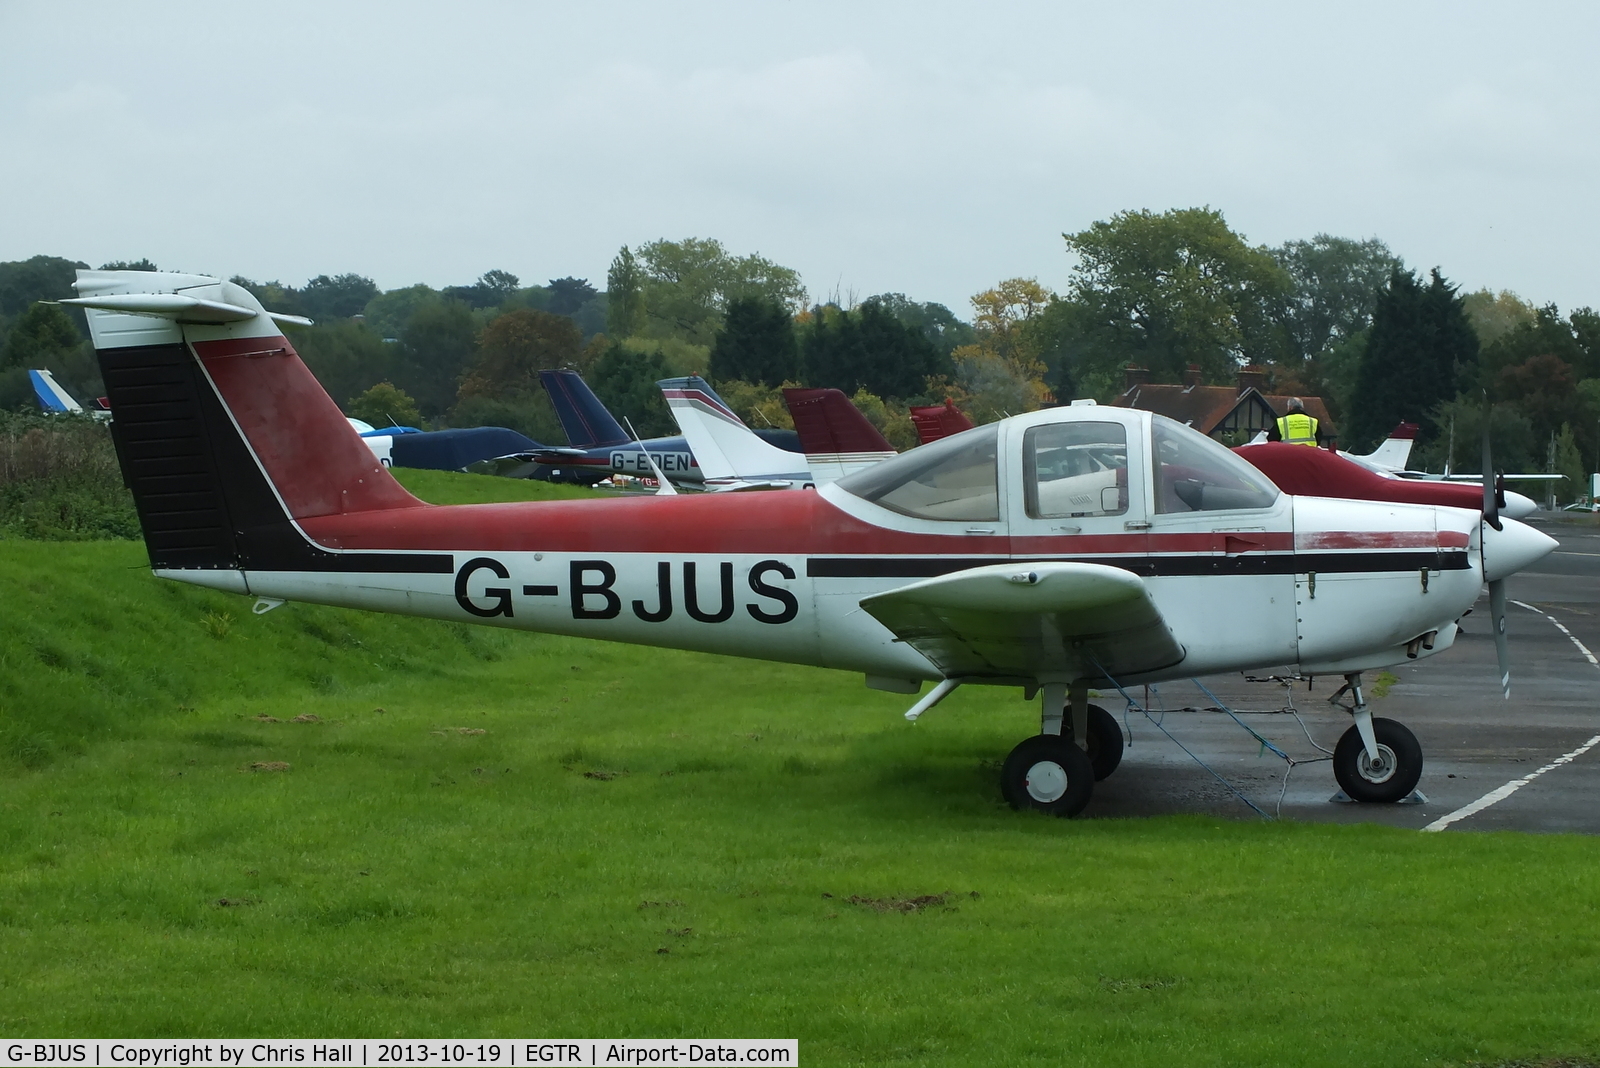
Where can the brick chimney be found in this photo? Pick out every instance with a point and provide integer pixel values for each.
(1252, 377)
(1191, 376)
(1135, 376)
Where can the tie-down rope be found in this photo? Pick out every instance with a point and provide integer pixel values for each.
(1290, 763)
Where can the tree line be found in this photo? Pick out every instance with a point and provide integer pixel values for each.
(1345, 319)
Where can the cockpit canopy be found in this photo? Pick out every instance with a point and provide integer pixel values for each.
(1193, 473)
(952, 478)
(1077, 465)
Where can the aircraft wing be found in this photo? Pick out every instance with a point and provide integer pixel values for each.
(1031, 620)
(1509, 476)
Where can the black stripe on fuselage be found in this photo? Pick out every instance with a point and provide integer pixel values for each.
(203, 502)
(1373, 561)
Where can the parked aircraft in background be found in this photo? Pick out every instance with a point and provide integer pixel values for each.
(462, 449)
(1054, 551)
(1318, 472)
(55, 400)
(401, 446)
(836, 438)
(598, 447)
(729, 454)
(52, 398)
(1392, 454)
(935, 421)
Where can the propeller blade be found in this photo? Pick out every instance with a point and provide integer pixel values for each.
(1491, 500)
(1497, 620)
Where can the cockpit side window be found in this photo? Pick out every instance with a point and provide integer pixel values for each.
(1196, 474)
(954, 478)
(1075, 469)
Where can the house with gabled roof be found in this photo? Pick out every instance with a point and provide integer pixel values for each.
(1232, 414)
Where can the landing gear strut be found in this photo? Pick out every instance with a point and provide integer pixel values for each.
(1052, 771)
(1376, 759)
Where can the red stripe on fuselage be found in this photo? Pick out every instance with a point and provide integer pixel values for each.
(1381, 539)
(795, 522)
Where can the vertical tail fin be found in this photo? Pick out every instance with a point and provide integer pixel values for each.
(836, 437)
(937, 421)
(584, 419)
(1395, 450)
(52, 398)
(224, 436)
(723, 446)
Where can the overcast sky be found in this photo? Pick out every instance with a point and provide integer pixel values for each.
(922, 148)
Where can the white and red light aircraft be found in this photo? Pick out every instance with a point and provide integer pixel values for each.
(1049, 551)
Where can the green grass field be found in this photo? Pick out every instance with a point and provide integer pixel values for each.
(486, 833)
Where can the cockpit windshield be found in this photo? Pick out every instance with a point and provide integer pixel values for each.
(1193, 473)
(953, 478)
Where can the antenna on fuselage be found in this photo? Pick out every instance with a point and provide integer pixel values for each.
(665, 488)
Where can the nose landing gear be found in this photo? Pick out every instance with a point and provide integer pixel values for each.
(1376, 760)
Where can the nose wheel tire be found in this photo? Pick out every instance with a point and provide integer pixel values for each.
(1049, 773)
(1392, 776)
(1105, 740)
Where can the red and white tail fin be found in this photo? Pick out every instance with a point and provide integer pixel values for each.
(836, 437)
(1393, 452)
(224, 435)
(726, 450)
(937, 421)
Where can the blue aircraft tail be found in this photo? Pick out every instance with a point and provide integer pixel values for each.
(52, 398)
(584, 419)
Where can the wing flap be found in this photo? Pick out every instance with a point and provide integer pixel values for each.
(1031, 620)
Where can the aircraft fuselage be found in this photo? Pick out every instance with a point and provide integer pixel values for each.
(780, 576)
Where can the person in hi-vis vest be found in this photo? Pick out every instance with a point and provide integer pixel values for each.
(1296, 428)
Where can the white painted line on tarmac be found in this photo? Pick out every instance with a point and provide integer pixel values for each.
(1568, 552)
(1584, 649)
(1494, 797)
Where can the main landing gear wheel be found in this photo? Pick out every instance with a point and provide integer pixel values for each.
(1105, 740)
(1392, 777)
(1048, 772)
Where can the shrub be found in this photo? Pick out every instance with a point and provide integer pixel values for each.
(59, 480)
